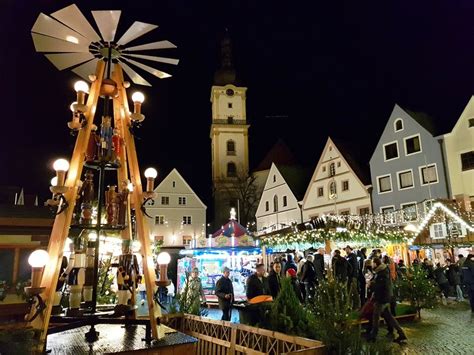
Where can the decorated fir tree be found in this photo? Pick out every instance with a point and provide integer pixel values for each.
(188, 301)
(418, 289)
(289, 316)
(333, 308)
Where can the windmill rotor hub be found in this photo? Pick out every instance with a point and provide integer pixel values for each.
(111, 49)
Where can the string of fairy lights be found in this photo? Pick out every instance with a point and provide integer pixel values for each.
(367, 230)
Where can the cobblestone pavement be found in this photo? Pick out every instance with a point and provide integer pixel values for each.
(445, 330)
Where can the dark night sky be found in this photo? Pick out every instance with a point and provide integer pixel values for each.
(330, 68)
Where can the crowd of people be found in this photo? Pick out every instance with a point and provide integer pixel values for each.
(372, 276)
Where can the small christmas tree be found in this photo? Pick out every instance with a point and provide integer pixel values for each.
(418, 289)
(289, 316)
(188, 301)
(333, 308)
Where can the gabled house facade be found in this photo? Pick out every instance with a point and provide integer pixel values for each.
(338, 186)
(178, 216)
(458, 149)
(279, 207)
(407, 167)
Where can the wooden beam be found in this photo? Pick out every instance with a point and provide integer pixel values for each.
(62, 221)
(136, 199)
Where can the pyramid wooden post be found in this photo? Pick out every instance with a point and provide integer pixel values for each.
(62, 221)
(136, 199)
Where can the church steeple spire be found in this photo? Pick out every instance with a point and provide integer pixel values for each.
(226, 73)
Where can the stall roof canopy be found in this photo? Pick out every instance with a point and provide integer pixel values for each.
(231, 228)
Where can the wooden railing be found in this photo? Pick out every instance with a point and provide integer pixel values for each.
(226, 338)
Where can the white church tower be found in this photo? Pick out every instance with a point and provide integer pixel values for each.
(229, 135)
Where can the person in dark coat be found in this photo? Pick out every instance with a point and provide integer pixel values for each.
(308, 277)
(382, 293)
(318, 263)
(290, 264)
(257, 284)
(440, 276)
(361, 256)
(296, 284)
(454, 277)
(401, 269)
(468, 278)
(352, 259)
(427, 265)
(283, 265)
(225, 294)
(340, 266)
(274, 278)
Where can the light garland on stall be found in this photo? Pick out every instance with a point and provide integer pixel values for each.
(316, 238)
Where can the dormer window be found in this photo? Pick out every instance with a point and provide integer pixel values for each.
(398, 125)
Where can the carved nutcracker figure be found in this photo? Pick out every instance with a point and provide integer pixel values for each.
(87, 192)
(128, 276)
(106, 133)
(89, 272)
(123, 201)
(112, 205)
(117, 142)
(75, 274)
(92, 145)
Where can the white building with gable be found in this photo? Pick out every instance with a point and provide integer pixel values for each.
(338, 185)
(279, 204)
(458, 151)
(178, 214)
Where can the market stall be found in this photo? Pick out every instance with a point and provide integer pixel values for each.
(231, 246)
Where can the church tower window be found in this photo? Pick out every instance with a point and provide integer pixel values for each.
(231, 170)
(230, 147)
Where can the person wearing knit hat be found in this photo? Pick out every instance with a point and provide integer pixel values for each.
(295, 283)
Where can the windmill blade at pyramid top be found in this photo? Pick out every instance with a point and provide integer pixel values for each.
(49, 44)
(136, 30)
(48, 26)
(154, 45)
(158, 73)
(107, 21)
(134, 76)
(86, 69)
(72, 17)
(67, 60)
(153, 58)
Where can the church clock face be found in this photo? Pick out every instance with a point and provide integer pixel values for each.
(229, 92)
